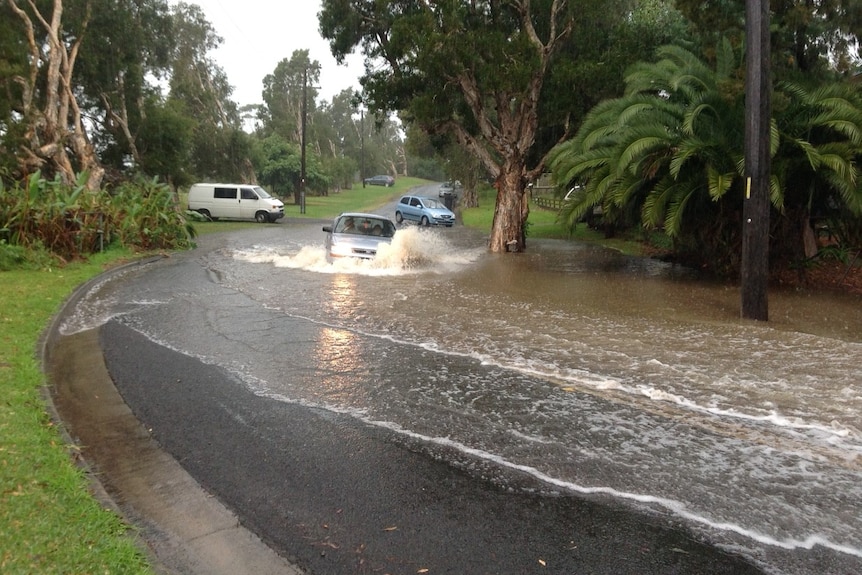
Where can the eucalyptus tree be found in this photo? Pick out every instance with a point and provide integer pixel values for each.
(504, 79)
(338, 139)
(219, 149)
(128, 45)
(473, 70)
(671, 153)
(51, 131)
(291, 88)
(195, 78)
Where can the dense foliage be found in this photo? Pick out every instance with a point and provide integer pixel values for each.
(484, 90)
(64, 222)
(669, 155)
(494, 78)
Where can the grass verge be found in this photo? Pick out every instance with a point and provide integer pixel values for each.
(542, 224)
(49, 522)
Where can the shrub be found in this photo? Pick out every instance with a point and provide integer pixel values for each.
(69, 222)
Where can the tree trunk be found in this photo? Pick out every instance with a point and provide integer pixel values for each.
(57, 129)
(809, 237)
(511, 210)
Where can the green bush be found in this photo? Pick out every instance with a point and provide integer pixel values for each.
(21, 258)
(69, 222)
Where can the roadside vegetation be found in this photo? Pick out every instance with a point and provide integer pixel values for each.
(49, 521)
(95, 158)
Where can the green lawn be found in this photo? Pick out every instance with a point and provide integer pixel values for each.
(49, 523)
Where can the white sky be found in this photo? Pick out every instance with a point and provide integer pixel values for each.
(258, 34)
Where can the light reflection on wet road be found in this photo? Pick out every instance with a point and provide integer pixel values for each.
(596, 373)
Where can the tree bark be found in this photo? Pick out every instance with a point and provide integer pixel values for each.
(508, 232)
(55, 130)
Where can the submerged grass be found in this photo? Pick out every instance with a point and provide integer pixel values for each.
(49, 522)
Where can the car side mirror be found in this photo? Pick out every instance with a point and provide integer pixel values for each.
(327, 229)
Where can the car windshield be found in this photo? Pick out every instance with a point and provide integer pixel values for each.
(261, 192)
(431, 203)
(361, 225)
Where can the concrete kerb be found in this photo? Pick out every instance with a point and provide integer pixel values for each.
(182, 528)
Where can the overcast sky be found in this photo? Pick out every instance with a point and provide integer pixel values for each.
(258, 34)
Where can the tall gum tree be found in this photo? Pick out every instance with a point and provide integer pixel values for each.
(55, 138)
(472, 70)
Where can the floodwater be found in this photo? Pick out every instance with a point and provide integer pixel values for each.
(598, 374)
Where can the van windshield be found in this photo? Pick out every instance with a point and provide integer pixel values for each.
(261, 192)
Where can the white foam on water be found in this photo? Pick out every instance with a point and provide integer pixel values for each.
(413, 250)
(96, 308)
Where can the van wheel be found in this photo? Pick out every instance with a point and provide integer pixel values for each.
(261, 217)
(206, 214)
(398, 218)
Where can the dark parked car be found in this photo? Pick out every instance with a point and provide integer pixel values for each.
(426, 211)
(387, 181)
(357, 235)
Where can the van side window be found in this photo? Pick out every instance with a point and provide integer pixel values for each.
(226, 193)
(248, 194)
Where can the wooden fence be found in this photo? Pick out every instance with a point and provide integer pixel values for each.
(548, 202)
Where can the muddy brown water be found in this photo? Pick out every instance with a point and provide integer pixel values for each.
(596, 373)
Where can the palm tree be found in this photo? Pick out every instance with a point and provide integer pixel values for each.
(817, 162)
(671, 149)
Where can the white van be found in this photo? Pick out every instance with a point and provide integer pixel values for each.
(235, 202)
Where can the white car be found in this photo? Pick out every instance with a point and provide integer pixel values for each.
(358, 235)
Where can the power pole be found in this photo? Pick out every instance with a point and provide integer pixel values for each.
(302, 144)
(754, 276)
(362, 145)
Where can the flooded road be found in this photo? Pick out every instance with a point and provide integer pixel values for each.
(595, 373)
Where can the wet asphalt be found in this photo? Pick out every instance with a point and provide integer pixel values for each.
(220, 480)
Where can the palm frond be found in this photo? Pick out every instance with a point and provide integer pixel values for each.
(718, 182)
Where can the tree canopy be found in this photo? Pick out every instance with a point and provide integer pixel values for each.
(495, 76)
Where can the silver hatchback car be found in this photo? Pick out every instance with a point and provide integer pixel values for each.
(425, 211)
(356, 234)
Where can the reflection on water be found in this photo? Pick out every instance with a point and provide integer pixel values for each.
(340, 362)
(594, 372)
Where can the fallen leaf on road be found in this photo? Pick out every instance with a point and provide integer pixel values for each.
(390, 528)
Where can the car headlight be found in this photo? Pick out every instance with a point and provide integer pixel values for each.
(338, 249)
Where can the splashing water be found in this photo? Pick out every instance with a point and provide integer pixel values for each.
(413, 250)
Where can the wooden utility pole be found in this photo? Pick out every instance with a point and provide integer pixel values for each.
(302, 143)
(754, 278)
